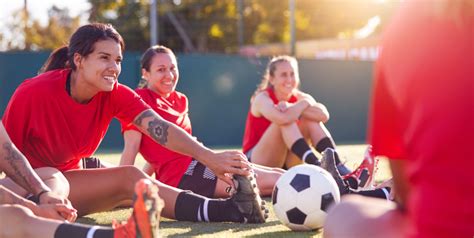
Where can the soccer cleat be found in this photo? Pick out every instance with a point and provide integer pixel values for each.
(342, 168)
(247, 199)
(362, 177)
(144, 221)
(328, 162)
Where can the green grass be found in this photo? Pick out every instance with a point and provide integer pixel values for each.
(352, 154)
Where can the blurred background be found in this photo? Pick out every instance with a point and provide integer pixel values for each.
(222, 47)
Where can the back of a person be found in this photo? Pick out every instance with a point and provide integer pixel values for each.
(430, 75)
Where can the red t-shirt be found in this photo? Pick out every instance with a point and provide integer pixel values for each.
(51, 129)
(169, 166)
(256, 126)
(422, 112)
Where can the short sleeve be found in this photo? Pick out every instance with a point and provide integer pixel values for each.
(128, 105)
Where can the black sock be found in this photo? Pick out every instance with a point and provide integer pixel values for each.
(193, 207)
(304, 152)
(325, 143)
(67, 230)
(376, 193)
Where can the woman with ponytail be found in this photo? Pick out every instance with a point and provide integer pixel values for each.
(61, 116)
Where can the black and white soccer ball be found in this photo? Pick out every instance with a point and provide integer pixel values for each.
(302, 195)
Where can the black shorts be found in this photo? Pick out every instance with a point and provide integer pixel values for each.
(91, 163)
(199, 179)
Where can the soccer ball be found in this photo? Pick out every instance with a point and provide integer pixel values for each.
(302, 196)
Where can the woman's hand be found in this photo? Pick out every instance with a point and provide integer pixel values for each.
(62, 212)
(282, 106)
(226, 163)
(64, 207)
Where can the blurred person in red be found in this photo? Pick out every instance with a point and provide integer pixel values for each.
(422, 120)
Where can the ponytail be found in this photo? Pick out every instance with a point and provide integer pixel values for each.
(58, 59)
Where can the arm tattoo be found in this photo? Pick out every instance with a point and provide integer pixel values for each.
(145, 114)
(157, 128)
(17, 167)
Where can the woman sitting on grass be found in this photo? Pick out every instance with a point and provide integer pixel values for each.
(282, 119)
(161, 74)
(61, 116)
(48, 212)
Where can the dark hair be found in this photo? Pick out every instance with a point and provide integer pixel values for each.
(145, 61)
(82, 42)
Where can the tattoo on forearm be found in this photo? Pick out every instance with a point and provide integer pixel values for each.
(145, 114)
(157, 129)
(17, 167)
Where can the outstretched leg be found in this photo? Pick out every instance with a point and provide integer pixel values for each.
(96, 190)
(18, 221)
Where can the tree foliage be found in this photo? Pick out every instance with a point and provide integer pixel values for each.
(28, 34)
(206, 25)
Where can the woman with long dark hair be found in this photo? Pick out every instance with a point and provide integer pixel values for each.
(61, 116)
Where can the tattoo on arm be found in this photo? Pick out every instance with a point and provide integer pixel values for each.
(157, 128)
(17, 167)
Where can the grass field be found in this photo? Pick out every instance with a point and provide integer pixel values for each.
(352, 154)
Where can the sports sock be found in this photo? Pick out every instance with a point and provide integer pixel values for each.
(376, 193)
(304, 152)
(67, 230)
(193, 207)
(325, 143)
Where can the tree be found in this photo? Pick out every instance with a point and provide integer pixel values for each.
(29, 34)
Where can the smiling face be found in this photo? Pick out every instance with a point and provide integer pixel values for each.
(162, 76)
(101, 68)
(284, 79)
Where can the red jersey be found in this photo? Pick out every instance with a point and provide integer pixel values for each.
(256, 126)
(51, 129)
(422, 112)
(169, 166)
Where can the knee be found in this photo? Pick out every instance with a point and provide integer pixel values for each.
(14, 216)
(16, 211)
(131, 175)
(343, 217)
(48, 173)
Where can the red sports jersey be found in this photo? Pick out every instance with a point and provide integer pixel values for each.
(422, 112)
(256, 126)
(169, 166)
(51, 129)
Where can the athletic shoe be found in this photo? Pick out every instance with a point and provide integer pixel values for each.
(145, 218)
(362, 177)
(247, 199)
(342, 168)
(328, 162)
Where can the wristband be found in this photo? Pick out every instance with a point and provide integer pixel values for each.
(41, 193)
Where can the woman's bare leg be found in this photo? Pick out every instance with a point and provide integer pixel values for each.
(273, 148)
(50, 176)
(96, 190)
(18, 221)
(314, 131)
(266, 179)
(358, 216)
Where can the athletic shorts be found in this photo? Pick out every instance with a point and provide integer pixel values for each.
(91, 163)
(249, 153)
(199, 179)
